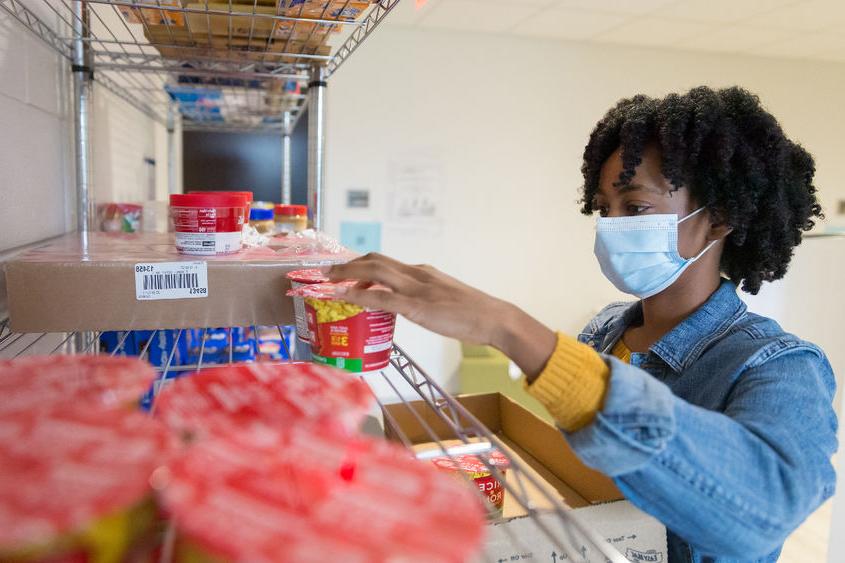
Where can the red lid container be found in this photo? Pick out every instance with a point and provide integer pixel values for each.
(307, 495)
(345, 335)
(312, 275)
(291, 210)
(278, 395)
(72, 472)
(246, 194)
(207, 224)
(472, 467)
(39, 382)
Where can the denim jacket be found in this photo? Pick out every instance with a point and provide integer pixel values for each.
(724, 430)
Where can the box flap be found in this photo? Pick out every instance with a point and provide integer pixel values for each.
(548, 445)
(485, 407)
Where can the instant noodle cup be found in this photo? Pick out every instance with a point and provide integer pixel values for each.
(75, 483)
(472, 467)
(40, 382)
(298, 279)
(306, 494)
(345, 335)
(208, 224)
(277, 395)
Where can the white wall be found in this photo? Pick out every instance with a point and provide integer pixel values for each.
(37, 185)
(123, 138)
(504, 121)
(33, 144)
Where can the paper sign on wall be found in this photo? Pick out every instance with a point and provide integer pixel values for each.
(415, 201)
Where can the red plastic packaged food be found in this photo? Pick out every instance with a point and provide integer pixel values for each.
(75, 482)
(297, 279)
(306, 495)
(37, 382)
(346, 335)
(472, 467)
(208, 224)
(274, 394)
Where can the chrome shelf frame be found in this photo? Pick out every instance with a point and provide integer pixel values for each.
(407, 382)
(103, 48)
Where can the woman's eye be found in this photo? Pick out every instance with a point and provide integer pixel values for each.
(637, 209)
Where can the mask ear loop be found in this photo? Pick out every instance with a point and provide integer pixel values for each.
(706, 248)
(696, 212)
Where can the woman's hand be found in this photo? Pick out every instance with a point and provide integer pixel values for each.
(446, 306)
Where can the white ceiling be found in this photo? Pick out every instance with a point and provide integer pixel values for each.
(807, 29)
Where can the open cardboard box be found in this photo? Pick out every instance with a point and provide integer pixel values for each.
(59, 288)
(545, 453)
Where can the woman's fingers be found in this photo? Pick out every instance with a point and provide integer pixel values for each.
(376, 270)
(376, 299)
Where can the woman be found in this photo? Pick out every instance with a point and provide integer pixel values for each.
(710, 418)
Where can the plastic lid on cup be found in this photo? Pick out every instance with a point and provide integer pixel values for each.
(312, 275)
(471, 463)
(291, 210)
(260, 214)
(247, 194)
(207, 200)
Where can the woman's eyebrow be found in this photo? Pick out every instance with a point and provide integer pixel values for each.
(634, 187)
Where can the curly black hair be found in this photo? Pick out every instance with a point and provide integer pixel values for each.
(734, 158)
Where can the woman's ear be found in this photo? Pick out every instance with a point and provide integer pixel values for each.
(719, 227)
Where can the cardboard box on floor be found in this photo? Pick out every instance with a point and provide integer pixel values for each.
(542, 448)
(58, 288)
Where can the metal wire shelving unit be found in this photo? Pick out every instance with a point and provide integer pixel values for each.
(261, 82)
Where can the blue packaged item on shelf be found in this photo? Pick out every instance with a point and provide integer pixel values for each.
(163, 344)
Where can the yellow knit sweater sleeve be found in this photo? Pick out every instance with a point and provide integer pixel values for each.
(572, 386)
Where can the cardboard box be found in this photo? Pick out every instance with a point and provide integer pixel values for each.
(157, 15)
(245, 25)
(57, 288)
(484, 370)
(592, 497)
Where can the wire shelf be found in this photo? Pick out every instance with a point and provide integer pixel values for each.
(139, 48)
(403, 383)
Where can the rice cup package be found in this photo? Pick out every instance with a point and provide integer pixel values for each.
(299, 278)
(307, 495)
(36, 382)
(345, 335)
(274, 394)
(472, 467)
(74, 482)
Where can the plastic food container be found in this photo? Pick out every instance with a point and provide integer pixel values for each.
(207, 225)
(245, 194)
(307, 495)
(277, 395)
(345, 335)
(262, 220)
(76, 484)
(298, 279)
(471, 466)
(34, 383)
(291, 218)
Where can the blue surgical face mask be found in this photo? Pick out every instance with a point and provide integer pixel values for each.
(639, 254)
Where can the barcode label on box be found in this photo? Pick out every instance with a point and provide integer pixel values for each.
(171, 280)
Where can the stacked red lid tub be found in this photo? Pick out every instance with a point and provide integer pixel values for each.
(76, 459)
(274, 469)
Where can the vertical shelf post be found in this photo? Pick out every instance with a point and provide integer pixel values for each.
(83, 73)
(317, 145)
(286, 171)
(171, 149)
